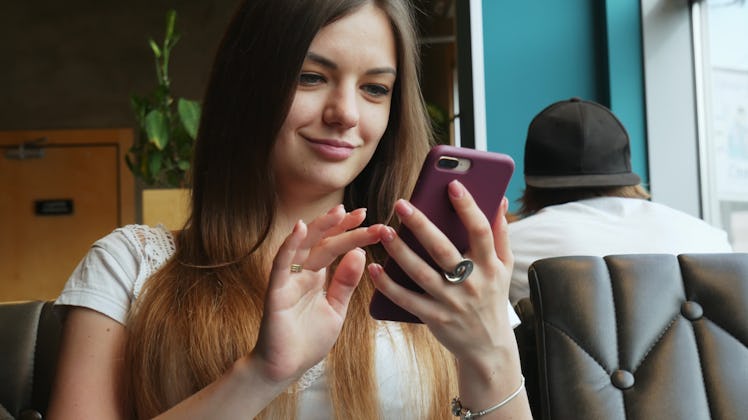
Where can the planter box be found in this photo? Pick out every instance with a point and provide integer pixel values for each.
(167, 206)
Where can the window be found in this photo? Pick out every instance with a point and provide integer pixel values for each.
(720, 31)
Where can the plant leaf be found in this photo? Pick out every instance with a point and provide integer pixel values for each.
(139, 106)
(130, 164)
(157, 128)
(156, 49)
(189, 114)
(154, 164)
(171, 18)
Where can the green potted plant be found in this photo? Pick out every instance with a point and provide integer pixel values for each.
(161, 154)
(167, 126)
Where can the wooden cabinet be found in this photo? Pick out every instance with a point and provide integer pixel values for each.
(59, 191)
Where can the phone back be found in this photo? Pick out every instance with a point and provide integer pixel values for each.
(487, 178)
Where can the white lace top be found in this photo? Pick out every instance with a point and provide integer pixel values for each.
(111, 276)
(113, 272)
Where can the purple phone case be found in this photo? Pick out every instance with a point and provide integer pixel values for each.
(486, 179)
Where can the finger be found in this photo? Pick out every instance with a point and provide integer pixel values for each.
(501, 234)
(480, 235)
(322, 224)
(415, 267)
(330, 248)
(350, 220)
(430, 238)
(287, 253)
(345, 279)
(333, 223)
(421, 305)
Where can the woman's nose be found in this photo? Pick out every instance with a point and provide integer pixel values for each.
(342, 108)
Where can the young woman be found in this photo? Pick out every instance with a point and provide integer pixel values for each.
(313, 107)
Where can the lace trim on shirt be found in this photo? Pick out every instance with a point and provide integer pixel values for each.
(308, 378)
(154, 244)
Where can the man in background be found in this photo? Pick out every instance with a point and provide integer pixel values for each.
(582, 198)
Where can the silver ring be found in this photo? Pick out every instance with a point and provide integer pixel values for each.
(461, 272)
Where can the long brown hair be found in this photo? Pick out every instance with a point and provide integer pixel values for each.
(191, 322)
(533, 198)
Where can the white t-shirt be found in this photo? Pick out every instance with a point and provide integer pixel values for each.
(111, 276)
(606, 226)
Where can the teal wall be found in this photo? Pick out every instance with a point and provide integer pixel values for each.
(626, 76)
(538, 52)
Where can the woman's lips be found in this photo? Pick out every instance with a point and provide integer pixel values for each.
(331, 149)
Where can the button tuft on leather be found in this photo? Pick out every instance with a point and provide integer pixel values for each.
(691, 310)
(30, 414)
(622, 379)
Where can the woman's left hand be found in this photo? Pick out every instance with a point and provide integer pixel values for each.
(470, 319)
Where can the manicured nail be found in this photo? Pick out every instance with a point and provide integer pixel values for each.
(403, 208)
(359, 211)
(297, 226)
(360, 250)
(456, 189)
(388, 234)
(375, 270)
(335, 209)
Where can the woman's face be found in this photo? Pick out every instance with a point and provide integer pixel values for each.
(341, 106)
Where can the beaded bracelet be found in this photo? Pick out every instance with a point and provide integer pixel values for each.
(465, 413)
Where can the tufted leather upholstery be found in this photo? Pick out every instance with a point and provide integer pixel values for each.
(29, 343)
(637, 337)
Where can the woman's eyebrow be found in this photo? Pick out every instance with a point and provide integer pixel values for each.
(326, 62)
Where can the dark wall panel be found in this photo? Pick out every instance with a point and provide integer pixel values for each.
(74, 64)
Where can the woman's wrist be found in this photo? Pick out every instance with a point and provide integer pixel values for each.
(465, 413)
(487, 371)
(488, 378)
(484, 364)
(250, 373)
(241, 392)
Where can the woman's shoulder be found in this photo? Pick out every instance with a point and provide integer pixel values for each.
(152, 246)
(154, 242)
(113, 271)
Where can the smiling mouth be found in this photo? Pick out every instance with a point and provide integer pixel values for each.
(331, 143)
(332, 150)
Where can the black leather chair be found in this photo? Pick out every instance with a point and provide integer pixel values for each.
(29, 344)
(637, 337)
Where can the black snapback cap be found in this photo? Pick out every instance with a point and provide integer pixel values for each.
(577, 143)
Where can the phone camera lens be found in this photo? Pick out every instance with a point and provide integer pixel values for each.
(447, 163)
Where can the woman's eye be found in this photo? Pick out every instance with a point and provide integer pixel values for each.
(376, 90)
(310, 79)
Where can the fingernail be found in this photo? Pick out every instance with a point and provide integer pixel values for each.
(375, 270)
(359, 211)
(456, 189)
(388, 234)
(335, 209)
(403, 208)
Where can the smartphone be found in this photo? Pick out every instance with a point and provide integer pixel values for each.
(485, 174)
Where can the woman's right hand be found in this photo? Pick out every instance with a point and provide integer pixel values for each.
(303, 314)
